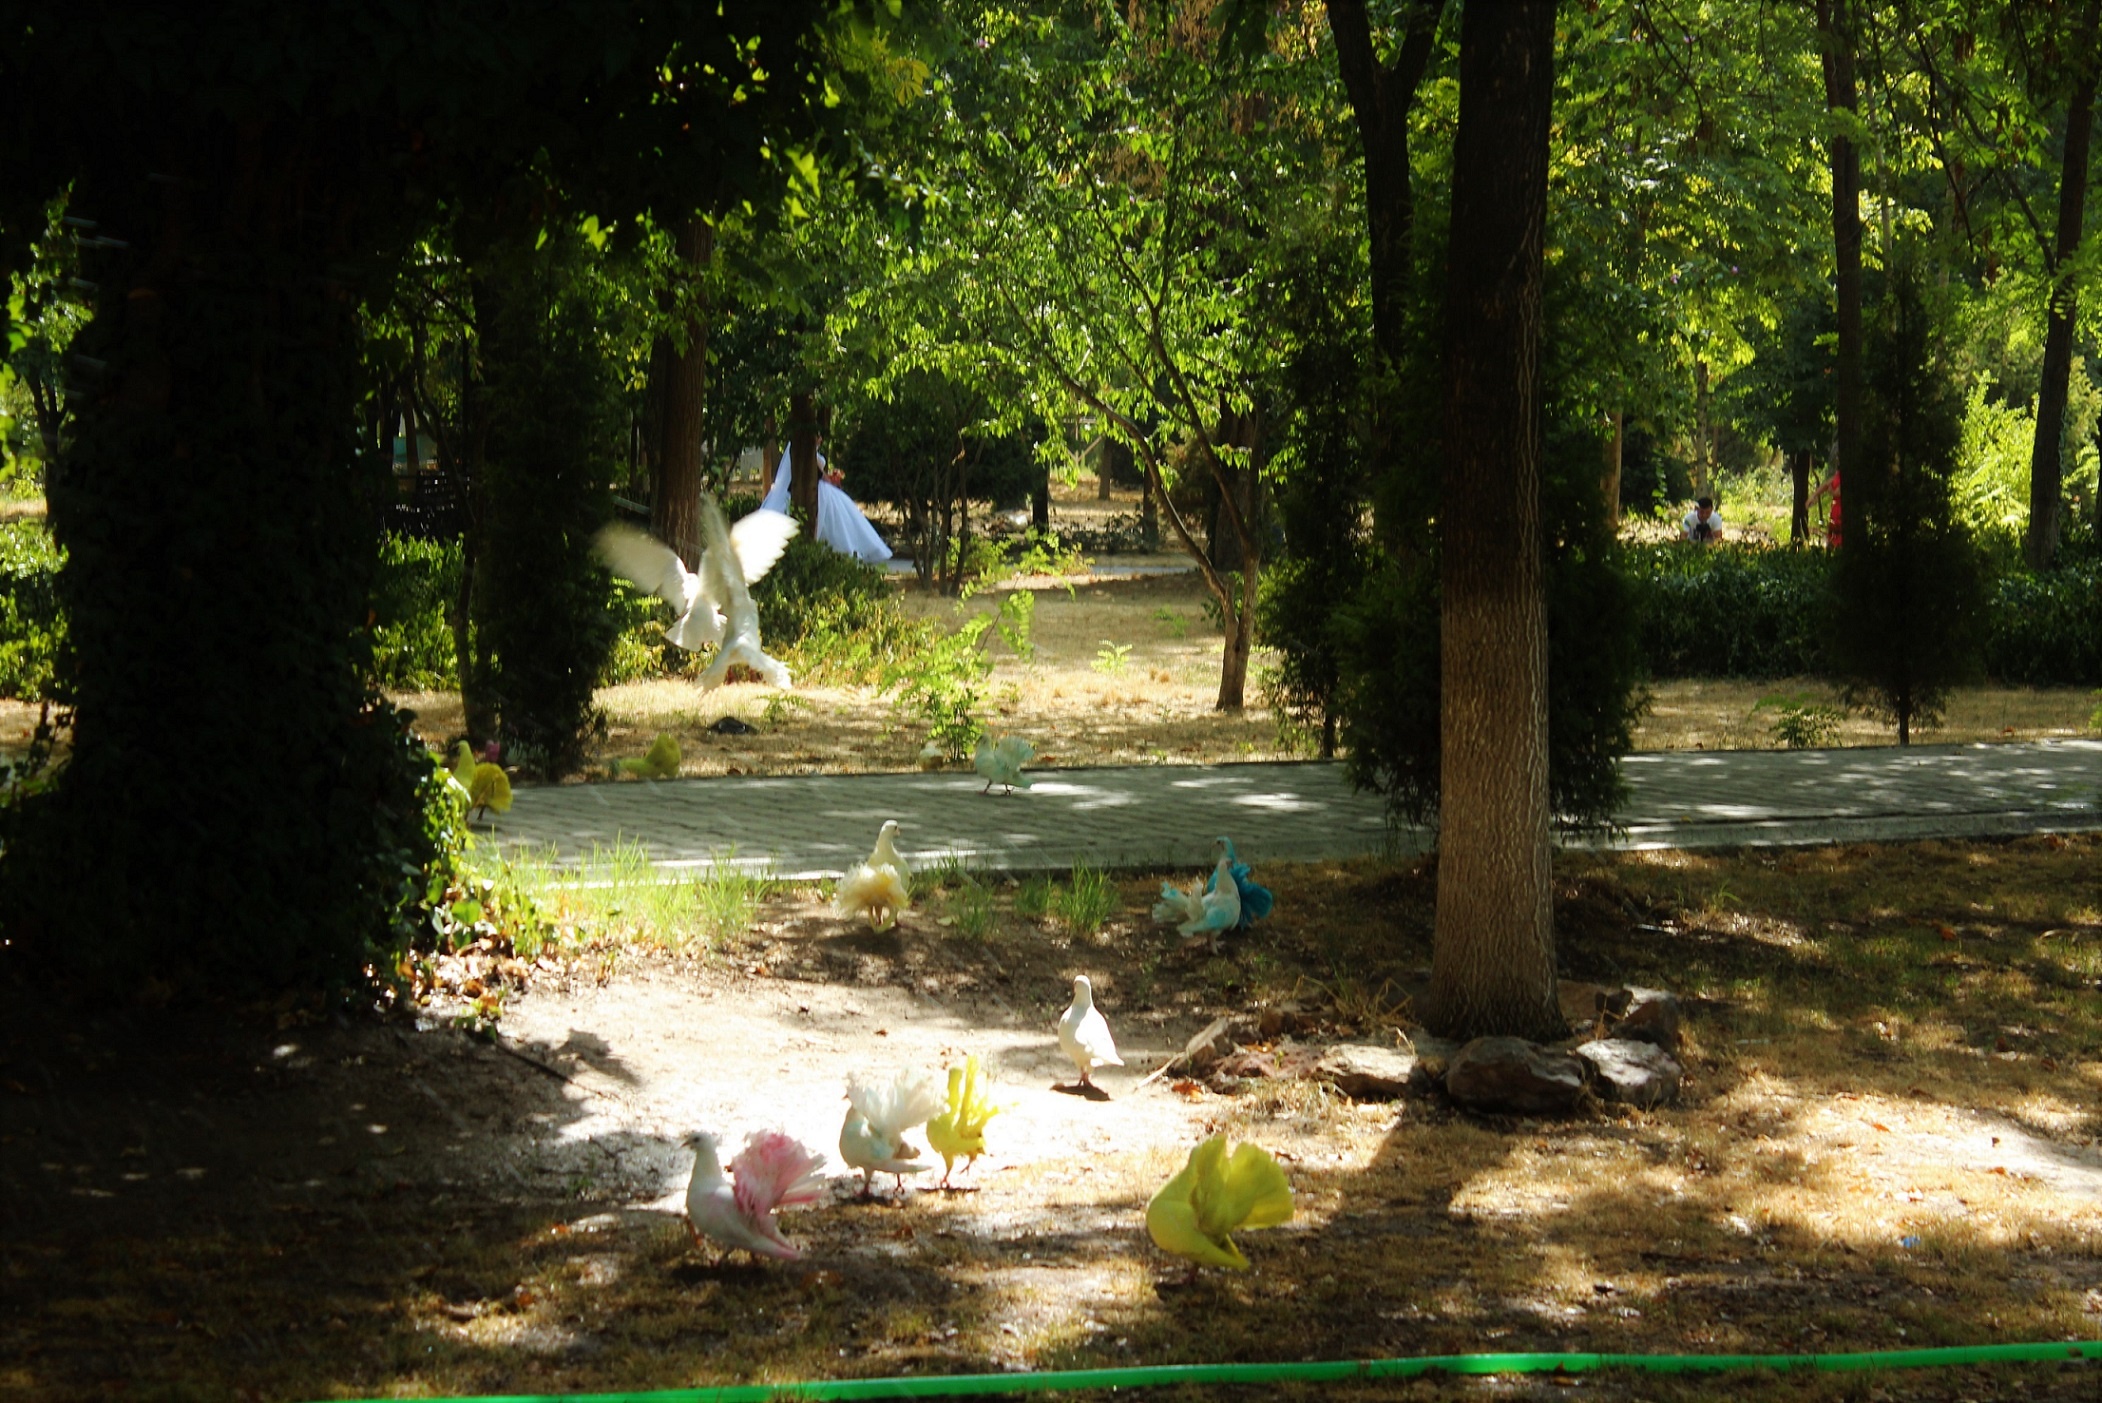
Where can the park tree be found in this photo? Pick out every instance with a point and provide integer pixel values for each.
(1909, 594)
(238, 807)
(1493, 966)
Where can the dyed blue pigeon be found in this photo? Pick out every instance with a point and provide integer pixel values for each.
(1205, 908)
(1256, 898)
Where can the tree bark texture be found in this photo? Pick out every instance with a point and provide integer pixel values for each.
(1799, 497)
(1493, 964)
(2047, 459)
(1615, 450)
(1838, 36)
(675, 502)
(802, 443)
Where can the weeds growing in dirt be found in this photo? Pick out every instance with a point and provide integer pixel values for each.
(1086, 901)
(616, 894)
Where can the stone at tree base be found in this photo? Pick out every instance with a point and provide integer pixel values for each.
(1513, 1075)
(1365, 1073)
(1632, 1072)
(1648, 1015)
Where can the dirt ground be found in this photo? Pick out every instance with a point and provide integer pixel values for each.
(242, 1204)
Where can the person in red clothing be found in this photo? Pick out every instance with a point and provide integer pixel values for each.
(1830, 488)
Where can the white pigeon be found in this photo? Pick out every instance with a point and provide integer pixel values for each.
(1000, 762)
(1207, 906)
(772, 1171)
(1084, 1034)
(879, 888)
(702, 597)
(724, 569)
(879, 1114)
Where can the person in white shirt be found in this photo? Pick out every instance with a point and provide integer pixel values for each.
(1703, 524)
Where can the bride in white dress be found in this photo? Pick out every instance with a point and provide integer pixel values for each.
(840, 523)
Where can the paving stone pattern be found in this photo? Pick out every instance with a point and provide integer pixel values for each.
(1165, 816)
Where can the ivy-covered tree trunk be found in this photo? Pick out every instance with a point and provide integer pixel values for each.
(238, 808)
(2047, 457)
(1493, 963)
(676, 501)
(540, 595)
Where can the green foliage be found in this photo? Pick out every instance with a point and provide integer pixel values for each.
(1909, 608)
(542, 631)
(1386, 637)
(1085, 900)
(32, 625)
(832, 618)
(1992, 477)
(940, 685)
(968, 907)
(415, 585)
(2046, 630)
(1730, 610)
(1801, 722)
(1112, 658)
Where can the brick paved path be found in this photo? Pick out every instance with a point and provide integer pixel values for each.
(1161, 816)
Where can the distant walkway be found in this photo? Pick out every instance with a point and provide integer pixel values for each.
(1161, 816)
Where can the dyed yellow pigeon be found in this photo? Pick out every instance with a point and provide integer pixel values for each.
(1214, 1195)
(660, 762)
(959, 1131)
(486, 786)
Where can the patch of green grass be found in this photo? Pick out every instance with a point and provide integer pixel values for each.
(617, 894)
(1034, 897)
(1086, 900)
(969, 907)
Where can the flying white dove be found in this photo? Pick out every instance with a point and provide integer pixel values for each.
(727, 577)
(705, 598)
(772, 1171)
(1084, 1034)
(879, 888)
(1206, 907)
(1000, 762)
(872, 1138)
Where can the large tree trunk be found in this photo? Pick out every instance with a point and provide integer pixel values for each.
(802, 445)
(2046, 459)
(1493, 965)
(675, 498)
(1837, 36)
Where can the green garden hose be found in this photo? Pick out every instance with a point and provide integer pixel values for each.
(1329, 1371)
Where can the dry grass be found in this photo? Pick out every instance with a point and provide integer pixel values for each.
(1889, 1138)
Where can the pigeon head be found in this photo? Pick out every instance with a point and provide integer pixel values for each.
(1083, 991)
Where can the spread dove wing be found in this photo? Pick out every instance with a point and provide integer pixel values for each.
(1084, 1033)
(701, 599)
(737, 1211)
(878, 888)
(727, 572)
(1000, 762)
(959, 1131)
(1215, 1195)
(879, 1114)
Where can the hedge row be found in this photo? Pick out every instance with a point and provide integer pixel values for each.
(1731, 611)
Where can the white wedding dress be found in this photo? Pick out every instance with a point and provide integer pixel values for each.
(840, 523)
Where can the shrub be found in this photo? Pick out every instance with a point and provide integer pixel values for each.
(1730, 611)
(2046, 629)
(1909, 591)
(412, 644)
(32, 624)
